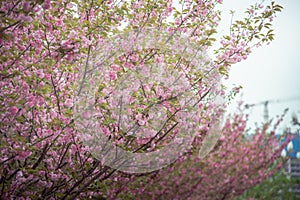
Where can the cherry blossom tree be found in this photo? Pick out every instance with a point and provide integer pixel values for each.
(47, 47)
(235, 164)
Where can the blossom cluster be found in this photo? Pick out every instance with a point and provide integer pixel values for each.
(45, 47)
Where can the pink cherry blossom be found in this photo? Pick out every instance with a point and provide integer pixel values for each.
(45, 48)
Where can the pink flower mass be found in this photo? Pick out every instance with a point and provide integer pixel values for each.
(47, 47)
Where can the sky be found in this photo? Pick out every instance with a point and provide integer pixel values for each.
(271, 72)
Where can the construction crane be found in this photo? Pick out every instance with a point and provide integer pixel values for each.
(267, 102)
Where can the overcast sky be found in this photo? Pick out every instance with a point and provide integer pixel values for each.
(271, 72)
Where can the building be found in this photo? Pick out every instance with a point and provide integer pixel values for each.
(292, 151)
